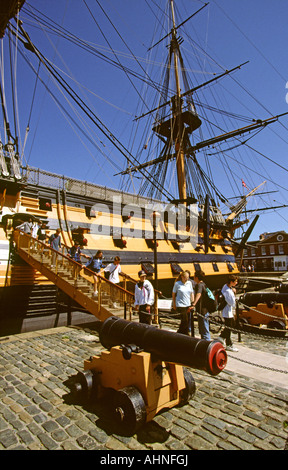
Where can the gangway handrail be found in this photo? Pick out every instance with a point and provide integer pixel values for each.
(71, 260)
(99, 275)
(32, 248)
(122, 274)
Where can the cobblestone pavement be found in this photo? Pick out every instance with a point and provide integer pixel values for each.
(37, 412)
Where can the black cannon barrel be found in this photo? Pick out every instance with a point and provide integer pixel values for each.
(283, 288)
(251, 299)
(166, 345)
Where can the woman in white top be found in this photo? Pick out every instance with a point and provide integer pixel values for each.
(228, 291)
(114, 269)
(182, 297)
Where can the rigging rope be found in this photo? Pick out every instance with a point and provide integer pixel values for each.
(65, 111)
(60, 31)
(246, 37)
(71, 37)
(259, 174)
(90, 114)
(13, 94)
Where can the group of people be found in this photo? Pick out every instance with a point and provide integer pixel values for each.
(144, 291)
(189, 295)
(37, 229)
(250, 268)
(110, 271)
(186, 297)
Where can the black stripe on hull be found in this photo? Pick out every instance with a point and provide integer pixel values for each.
(134, 257)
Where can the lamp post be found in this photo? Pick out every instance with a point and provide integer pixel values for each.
(156, 218)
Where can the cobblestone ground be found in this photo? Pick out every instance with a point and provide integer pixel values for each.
(37, 412)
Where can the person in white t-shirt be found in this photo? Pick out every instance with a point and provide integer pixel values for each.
(182, 297)
(114, 269)
(229, 291)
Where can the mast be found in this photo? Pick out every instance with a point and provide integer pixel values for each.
(177, 111)
(8, 9)
(175, 121)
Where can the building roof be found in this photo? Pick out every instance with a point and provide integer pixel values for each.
(273, 237)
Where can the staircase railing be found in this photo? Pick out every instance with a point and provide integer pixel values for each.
(69, 276)
(126, 280)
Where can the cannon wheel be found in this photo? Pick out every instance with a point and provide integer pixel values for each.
(279, 327)
(276, 324)
(190, 387)
(129, 409)
(86, 385)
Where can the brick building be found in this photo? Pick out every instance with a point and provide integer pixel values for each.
(269, 253)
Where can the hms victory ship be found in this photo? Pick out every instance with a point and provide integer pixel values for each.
(166, 217)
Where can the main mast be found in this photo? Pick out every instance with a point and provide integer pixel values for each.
(177, 127)
(175, 121)
(177, 111)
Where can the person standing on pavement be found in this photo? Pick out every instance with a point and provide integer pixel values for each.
(229, 291)
(199, 303)
(182, 296)
(144, 298)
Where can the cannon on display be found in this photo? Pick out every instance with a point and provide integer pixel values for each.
(264, 308)
(145, 368)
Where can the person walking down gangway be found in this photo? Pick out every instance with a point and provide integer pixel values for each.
(55, 244)
(96, 265)
(112, 271)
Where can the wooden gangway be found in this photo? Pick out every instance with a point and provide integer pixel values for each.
(74, 280)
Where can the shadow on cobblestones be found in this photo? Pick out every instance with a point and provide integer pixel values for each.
(37, 410)
(98, 409)
(101, 410)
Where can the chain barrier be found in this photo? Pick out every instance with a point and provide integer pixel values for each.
(261, 366)
(258, 311)
(235, 330)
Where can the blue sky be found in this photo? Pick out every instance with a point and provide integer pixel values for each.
(231, 31)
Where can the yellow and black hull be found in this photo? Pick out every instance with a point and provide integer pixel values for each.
(111, 221)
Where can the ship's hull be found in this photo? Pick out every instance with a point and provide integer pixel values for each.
(119, 224)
